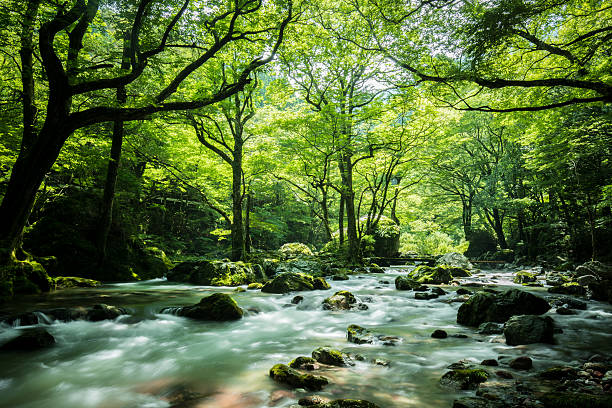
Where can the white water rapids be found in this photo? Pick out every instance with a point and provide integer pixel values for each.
(137, 360)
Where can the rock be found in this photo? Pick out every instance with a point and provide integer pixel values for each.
(595, 268)
(341, 277)
(342, 300)
(330, 356)
(439, 334)
(64, 282)
(521, 363)
(291, 281)
(320, 284)
(405, 283)
(255, 285)
(571, 302)
(489, 362)
(454, 259)
(313, 400)
(480, 242)
(556, 279)
(436, 275)
(239, 289)
(376, 269)
(476, 402)
(586, 280)
(504, 374)
(289, 376)
(212, 273)
(104, 312)
(218, 307)
(575, 400)
(381, 362)
(29, 340)
(463, 291)
(294, 250)
(297, 299)
(360, 335)
(565, 310)
(570, 288)
(304, 363)
(438, 291)
(425, 296)
(528, 329)
(421, 288)
(491, 328)
(499, 307)
(464, 379)
(558, 373)
(310, 267)
(522, 277)
(349, 403)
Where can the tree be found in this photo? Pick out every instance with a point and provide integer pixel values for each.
(158, 31)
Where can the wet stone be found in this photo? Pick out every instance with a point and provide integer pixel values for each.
(489, 362)
(439, 334)
(521, 363)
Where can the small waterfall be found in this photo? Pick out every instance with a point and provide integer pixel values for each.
(43, 318)
(173, 310)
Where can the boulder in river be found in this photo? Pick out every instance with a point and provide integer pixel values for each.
(64, 314)
(360, 335)
(521, 363)
(29, 340)
(214, 273)
(437, 275)
(293, 281)
(455, 260)
(348, 403)
(406, 283)
(65, 282)
(303, 363)
(499, 307)
(294, 250)
(569, 288)
(528, 329)
(218, 307)
(293, 378)
(477, 402)
(101, 312)
(330, 356)
(464, 379)
(522, 277)
(342, 300)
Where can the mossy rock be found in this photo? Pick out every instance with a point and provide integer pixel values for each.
(218, 307)
(569, 288)
(293, 281)
(66, 282)
(331, 356)
(303, 363)
(294, 250)
(359, 335)
(499, 307)
(523, 277)
(575, 400)
(213, 273)
(349, 403)
(467, 379)
(559, 373)
(437, 275)
(255, 285)
(342, 300)
(340, 277)
(406, 283)
(293, 378)
(29, 340)
(25, 277)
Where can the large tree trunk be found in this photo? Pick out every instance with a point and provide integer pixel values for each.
(237, 224)
(341, 220)
(467, 217)
(346, 171)
(247, 222)
(499, 229)
(325, 210)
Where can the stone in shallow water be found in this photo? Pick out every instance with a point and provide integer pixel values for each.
(29, 340)
(218, 307)
(464, 379)
(289, 376)
(528, 329)
(521, 363)
(360, 335)
(327, 355)
(439, 334)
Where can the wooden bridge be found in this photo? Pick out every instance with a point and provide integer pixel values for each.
(410, 260)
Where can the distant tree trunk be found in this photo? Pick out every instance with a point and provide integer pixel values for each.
(499, 229)
(247, 222)
(466, 216)
(238, 245)
(393, 209)
(346, 172)
(341, 220)
(325, 211)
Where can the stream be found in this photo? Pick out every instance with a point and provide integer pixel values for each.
(138, 360)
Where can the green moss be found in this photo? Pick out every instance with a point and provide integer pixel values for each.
(431, 275)
(575, 400)
(302, 361)
(523, 277)
(218, 306)
(295, 249)
(320, 284)
(330, 356)
(255, 285)
(289, 376)
(75, 282)
(405, 283)
(350, 403)
(464, 379)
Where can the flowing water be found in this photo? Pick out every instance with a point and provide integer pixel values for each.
(138, 360)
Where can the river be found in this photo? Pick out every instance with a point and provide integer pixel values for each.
(141, 359)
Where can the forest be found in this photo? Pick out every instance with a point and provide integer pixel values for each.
(152, 152)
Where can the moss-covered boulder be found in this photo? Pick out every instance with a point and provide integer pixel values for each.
(437, 275)
(67, 229)
(294, 250)
(406, 283)
(569, 288)
(528, 329)
(522, 277)
(213, 273)
(93, 313)
(255, 286)
(499, 307)
(67, 282)
(29, 340)
(360, 335)
(218, 307)
(310, 267)
(292, 281)
(303, 363)
(25, 277)
(467, 379)
(293, 378)
(342, 300)
(348, 403)
(327, 355)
